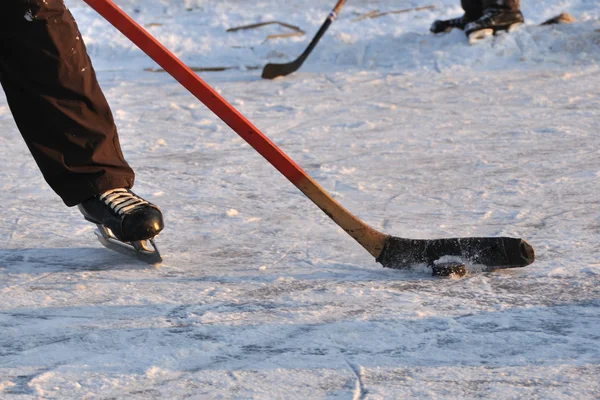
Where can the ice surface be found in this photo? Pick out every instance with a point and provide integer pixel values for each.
(262, 296)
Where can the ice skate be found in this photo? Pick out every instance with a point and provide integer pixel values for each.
(126, 223)
(491, 22)
(443, 26)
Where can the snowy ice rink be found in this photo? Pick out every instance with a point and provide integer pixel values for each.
(260, 295)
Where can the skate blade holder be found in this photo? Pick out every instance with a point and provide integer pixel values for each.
(480, 35)
(485, 33)
(143, 250)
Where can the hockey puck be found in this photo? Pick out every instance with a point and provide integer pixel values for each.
(449, 268)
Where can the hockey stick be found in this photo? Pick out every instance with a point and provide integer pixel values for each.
(391, 252)
(272, 71)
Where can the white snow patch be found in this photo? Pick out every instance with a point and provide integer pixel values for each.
(6, 385)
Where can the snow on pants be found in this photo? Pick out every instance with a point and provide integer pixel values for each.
(57, 104)
(474, 8)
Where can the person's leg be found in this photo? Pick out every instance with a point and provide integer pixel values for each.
(56, 101)
(473, 9)
(511, 5)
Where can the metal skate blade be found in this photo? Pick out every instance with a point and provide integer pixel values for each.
(141, 250)
(480, 35)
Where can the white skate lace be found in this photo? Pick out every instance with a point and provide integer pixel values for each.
(122, 201)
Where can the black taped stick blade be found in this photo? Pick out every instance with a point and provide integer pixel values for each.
(492, 252)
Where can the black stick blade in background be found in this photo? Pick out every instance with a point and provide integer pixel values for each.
(272, 71)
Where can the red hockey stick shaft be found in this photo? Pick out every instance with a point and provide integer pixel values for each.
(371, 239)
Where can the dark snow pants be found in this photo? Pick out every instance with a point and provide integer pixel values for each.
(57, 104)
(475, 8)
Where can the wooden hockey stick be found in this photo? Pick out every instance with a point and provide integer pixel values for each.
(390, 251)
(272, 71)
(258, 25)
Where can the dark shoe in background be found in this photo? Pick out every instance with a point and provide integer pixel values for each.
(492, 21)
(443, 26)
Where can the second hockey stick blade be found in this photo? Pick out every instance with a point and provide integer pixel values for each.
(272, 71)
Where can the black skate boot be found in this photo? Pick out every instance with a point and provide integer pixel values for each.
(125, 222)
(492, 21)
(443, 26)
